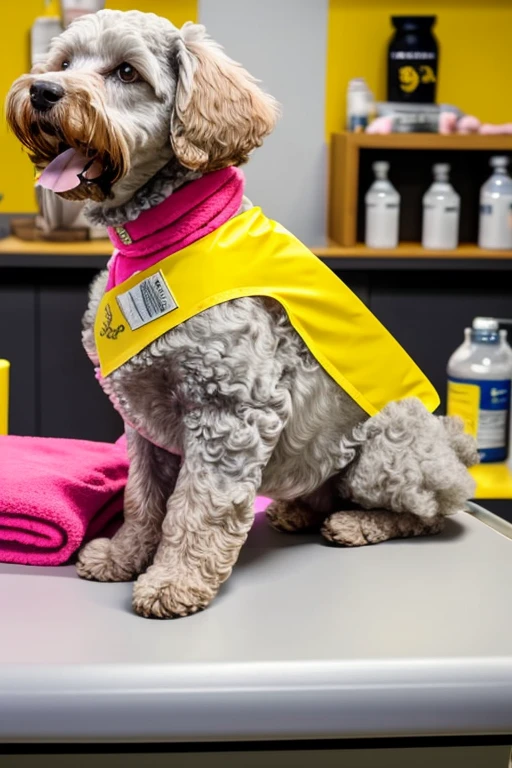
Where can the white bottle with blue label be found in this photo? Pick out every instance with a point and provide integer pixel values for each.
(479, 384)
(495, 228)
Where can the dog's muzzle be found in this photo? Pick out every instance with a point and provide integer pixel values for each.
(44, 95)
(62, 119)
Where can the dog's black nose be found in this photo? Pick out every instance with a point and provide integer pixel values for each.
(44, 94)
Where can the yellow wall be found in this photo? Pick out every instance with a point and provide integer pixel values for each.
(475, 47)
(16, 175)
(474, 38)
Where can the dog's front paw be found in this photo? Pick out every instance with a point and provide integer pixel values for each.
(162, 594)
(98, 562)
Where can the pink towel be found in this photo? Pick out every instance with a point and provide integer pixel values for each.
(56, 494)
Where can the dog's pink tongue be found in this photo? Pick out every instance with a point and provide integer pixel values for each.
(62, 173)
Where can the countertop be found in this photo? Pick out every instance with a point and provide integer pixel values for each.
(21, 254)
(305, 641)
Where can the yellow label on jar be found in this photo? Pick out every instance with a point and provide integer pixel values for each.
(464, 401)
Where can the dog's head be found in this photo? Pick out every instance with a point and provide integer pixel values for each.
(120, 93)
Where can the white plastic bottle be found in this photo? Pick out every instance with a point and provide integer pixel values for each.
(382, 210)
(42, 32)
(479, 383)
(441, 212)
(495, 229)
(359, 105)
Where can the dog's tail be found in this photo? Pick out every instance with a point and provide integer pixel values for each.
(463, 444)
(408, 460)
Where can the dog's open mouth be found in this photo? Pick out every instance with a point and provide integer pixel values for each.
(75, 174)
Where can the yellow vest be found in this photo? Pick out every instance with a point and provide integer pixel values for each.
(251, 255)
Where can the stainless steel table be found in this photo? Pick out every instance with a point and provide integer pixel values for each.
(405, 639)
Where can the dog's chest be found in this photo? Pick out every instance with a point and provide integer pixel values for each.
(148, 401)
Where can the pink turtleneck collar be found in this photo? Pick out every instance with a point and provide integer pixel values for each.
(190, 213)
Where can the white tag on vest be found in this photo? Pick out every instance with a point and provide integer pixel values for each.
(147, 301)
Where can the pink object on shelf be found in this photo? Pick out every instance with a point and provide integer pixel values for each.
(56, 494)
(447, 122)
(496, 130)
(468, 124)
(381, 125)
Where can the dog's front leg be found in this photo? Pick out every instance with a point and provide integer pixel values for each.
(210, 512)
(152, 477)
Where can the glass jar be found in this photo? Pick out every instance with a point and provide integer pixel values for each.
(412, 60)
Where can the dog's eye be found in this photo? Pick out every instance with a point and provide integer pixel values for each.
(64, 65)
(127, 73)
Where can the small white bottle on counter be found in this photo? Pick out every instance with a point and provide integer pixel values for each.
(441, 212)
(382, 210)
(495, 230)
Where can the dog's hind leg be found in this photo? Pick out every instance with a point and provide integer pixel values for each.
(355, 528)
(306, 513)
(152, 477)
(294, 516)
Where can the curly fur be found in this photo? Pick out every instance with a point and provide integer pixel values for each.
(365, 527)
(233, 391)
(159, 187)
(411, 461)
(215, 127)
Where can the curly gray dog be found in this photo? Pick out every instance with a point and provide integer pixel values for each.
(162, 106)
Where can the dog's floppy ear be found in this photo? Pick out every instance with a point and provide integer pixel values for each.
(220, 114)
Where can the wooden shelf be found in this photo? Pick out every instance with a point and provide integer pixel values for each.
(408, 251)
(13, 244)
(99, 250)
(350, 176)
(502, 143)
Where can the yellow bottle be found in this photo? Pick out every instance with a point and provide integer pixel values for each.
(4, 396)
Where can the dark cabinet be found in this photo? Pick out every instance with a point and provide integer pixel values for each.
(53, 389)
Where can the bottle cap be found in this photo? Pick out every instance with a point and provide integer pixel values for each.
(441, 169)
(357, 84)
(498, 161)
(485, 324)
(413, 22)
(380, 168)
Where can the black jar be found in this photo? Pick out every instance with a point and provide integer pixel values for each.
(412, 60)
